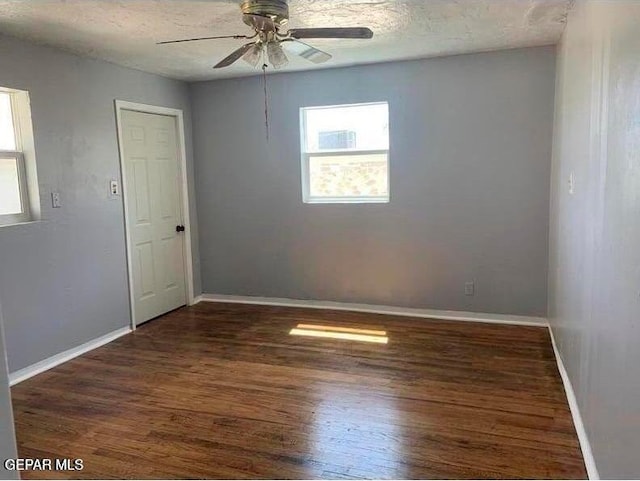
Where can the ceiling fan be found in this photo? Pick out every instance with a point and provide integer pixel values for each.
(269, 19)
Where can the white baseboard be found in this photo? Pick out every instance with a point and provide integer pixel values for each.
(53, 361)
(374, 309)
(585, 446)
(196, 300)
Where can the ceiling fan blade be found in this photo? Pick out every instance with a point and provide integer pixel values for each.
(202, 38)
(235, 55)
(305, 51)
(349, 32)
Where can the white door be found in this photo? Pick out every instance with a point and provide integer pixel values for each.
(153, 200)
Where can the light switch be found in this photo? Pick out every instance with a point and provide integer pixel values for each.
(55, 200)
(572, 183)
(114, 187)
(469, 288)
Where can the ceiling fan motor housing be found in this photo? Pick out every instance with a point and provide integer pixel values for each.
(276, 10)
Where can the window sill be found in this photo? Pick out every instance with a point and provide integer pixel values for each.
(21, 223)
(339, 200)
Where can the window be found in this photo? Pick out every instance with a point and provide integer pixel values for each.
(340, 139)
(345, 153)
(16, 144)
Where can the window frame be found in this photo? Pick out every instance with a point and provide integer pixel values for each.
(22, 128)
(306, 155)
(25, 215)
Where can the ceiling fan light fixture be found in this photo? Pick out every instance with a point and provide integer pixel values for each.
(253, 55)
(277, 57)
(315, 56)
(305, 51)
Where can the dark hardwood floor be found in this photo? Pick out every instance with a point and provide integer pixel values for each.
(224, 391)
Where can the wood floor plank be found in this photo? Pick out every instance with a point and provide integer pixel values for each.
(223, 391)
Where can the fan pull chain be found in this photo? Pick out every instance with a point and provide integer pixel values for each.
(266, 104)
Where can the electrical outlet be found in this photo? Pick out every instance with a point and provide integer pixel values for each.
(469, 288)
(55, 200)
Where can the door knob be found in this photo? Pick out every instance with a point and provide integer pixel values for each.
(179, 228)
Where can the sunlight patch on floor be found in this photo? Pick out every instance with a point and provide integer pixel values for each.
(345, 333)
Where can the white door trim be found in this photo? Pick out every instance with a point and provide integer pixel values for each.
(121, 105)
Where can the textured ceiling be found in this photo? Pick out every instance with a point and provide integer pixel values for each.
(125, 31)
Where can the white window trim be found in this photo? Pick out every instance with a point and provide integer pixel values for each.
(305, 155)
(25, 158)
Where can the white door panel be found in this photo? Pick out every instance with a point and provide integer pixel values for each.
(153, 198)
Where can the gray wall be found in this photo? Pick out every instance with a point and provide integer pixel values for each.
(7, 435)
(594, 274)
(470, 165)
(63, 280)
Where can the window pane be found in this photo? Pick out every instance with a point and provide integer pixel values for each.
(349, 175)
(7, 132)
(351, 127)
(10, 202)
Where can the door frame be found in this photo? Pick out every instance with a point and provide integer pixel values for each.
(120, 106)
